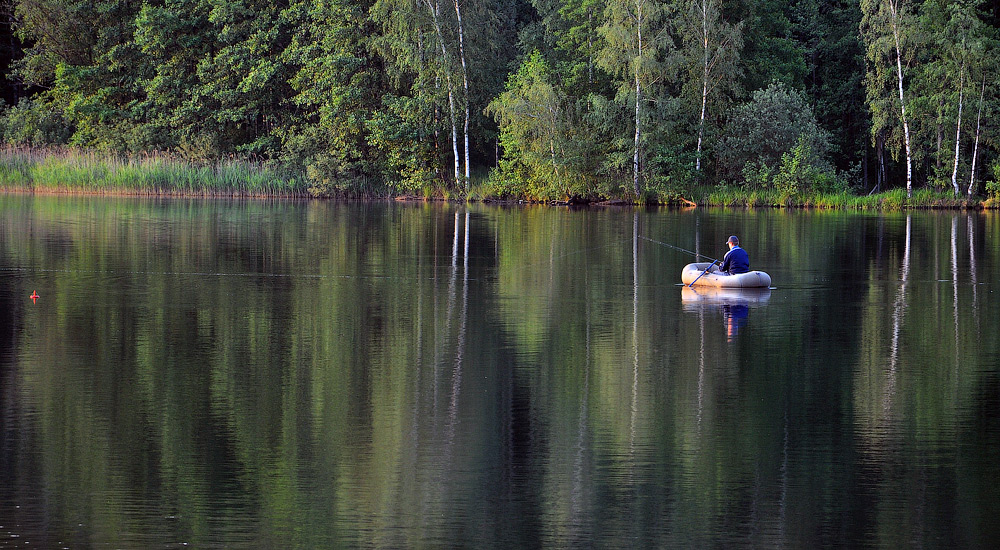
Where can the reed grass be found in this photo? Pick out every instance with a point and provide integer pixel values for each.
(892, 200)
(75, 170)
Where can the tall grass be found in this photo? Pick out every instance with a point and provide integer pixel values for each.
(74, 170)
(894, 199)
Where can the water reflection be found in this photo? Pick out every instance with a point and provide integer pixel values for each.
(734, 303)
(254, 374)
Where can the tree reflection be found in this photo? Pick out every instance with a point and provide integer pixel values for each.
(319, 375)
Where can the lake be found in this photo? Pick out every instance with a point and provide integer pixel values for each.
(255, 374)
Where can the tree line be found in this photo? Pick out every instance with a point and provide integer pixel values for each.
(538, 99)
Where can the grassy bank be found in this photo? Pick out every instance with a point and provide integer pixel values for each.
(81, 171)
(76, 171)
(894, 199)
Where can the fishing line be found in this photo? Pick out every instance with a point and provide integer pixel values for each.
(574, 252)
(695, 254)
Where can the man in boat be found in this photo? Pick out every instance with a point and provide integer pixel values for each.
(736, 260)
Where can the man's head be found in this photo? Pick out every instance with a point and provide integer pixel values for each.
(733, 241)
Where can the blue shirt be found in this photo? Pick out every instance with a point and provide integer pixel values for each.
(736, 261)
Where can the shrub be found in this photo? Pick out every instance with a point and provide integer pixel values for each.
(993, 186)
(670, 172)
(796, 173)
(775, 123)
(33, 123)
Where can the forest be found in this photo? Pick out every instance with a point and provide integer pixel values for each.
(522, 99)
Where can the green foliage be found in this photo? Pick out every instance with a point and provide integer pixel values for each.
(956, 49)
(58, 31)
(33, 122)
(332, 93)
(708, 65)
(761, 134)
(707, 36)
(992, 187)
(398, 133)
(774, 53)
(533, 115)
(795, 174)
(624, 54)
(246, 74)
(827, 33)
(574, 25)
(671, 172)
(583, 98)
(636, 43)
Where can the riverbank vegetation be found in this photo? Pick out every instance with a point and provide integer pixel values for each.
(877, 104)
(90, 172)
(69, 170)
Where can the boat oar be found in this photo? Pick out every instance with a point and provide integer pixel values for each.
(702, 273)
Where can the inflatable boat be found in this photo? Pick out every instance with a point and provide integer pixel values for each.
(692, 273)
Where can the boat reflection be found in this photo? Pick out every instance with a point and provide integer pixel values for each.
(734, 302)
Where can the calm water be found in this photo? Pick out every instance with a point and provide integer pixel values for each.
(303, 374)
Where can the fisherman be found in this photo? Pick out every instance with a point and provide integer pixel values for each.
(736, 260)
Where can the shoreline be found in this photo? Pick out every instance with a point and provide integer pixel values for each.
(750, 202)
(69, 172)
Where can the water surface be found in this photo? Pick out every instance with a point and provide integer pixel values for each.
(207, 373)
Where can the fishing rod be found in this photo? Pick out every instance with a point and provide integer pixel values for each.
(695, 254)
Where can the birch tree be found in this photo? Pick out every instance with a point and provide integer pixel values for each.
(710, 50)
(958, 128)
(465, 87)
(964, 44)
(434, 10)
(635, 39)
(975, 147)
(985, 78)
(417, 40)
(887, 27)
(945, 84)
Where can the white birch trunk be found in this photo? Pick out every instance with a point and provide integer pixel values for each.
(701, 123)
(975, 148)
(704, 83)
(638, 96)
(454, 132)
(958, 129)
(635, 157)
(433, 7)
(893, 8)
(465, 84)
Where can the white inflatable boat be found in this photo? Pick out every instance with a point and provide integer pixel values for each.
(752, 279)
